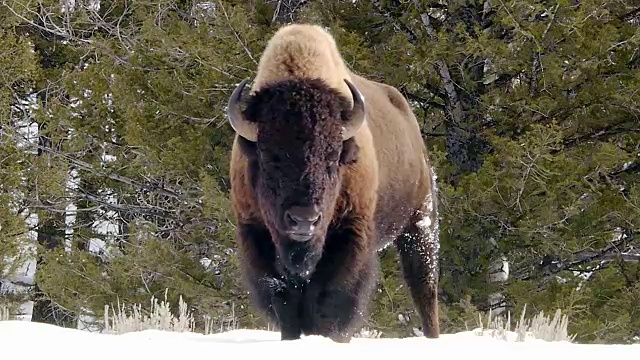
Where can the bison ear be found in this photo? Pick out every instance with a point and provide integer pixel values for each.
(350, 150)
(250, 113)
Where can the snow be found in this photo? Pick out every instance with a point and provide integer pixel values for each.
(424, 223)
(70, 344)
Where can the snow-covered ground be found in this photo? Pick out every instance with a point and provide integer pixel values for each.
(41, 341)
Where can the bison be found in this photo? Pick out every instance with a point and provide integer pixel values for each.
(327, 168)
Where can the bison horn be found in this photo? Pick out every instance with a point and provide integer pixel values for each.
(242, 127)
(358, 114)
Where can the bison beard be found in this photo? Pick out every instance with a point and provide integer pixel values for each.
(323, 304)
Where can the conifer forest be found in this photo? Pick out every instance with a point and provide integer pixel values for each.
(114, 153)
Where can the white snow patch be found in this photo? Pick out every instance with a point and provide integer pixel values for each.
(499, 270)
(424, 223)
(54, 343)
(386, 245)
(206, 262)
(96, 246)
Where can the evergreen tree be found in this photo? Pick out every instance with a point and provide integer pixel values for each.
(133, 132)
(529, 109)
(18, 74)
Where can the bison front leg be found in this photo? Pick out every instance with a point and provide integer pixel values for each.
(339, 291)
(284, 307)
(340, 311)
(418, 247)
(270, 293)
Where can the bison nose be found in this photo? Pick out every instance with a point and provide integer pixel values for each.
(301, 221)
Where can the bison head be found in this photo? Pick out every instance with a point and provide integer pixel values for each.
(297, 135)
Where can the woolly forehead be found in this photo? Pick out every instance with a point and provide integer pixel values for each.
(298, 112)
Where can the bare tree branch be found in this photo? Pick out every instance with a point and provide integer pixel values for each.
(609, 253)
(87, 167)
(237, 35)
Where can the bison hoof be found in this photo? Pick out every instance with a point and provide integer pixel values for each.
(342, 339)
(290, 335)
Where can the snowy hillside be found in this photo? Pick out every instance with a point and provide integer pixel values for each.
(39, 341)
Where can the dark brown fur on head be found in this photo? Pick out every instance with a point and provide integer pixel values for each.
(297, 159)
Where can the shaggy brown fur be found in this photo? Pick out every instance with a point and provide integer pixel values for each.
(374, 188)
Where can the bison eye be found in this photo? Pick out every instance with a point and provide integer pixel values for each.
(333, 156)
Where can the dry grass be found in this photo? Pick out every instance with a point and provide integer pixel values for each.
(4, 313)
(539, 327)
(159, 318)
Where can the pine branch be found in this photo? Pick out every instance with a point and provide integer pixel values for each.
(536, 67)
(87, 167)
(423, 101)
(603, 134)
(630, 15)
(454, 106)
(608, 253)
(413, 39)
